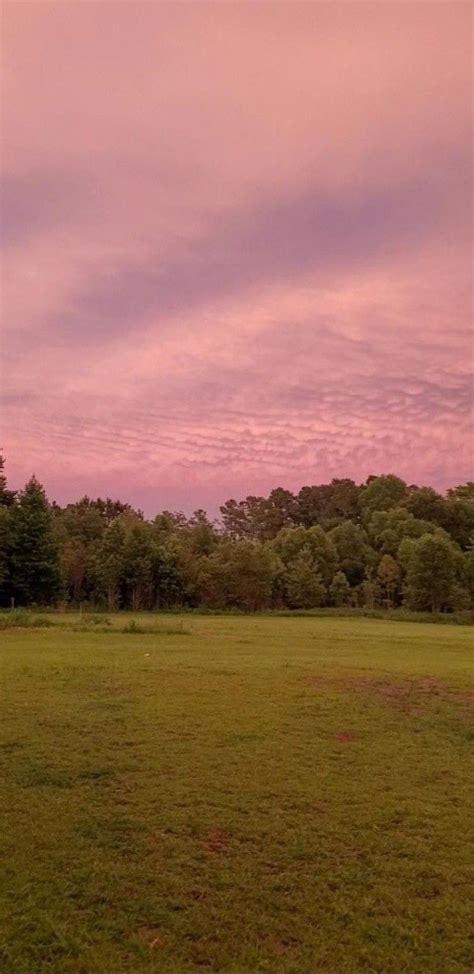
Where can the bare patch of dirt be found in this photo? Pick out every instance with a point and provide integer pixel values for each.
(216, 841)
(345, 737)
(413, 696)
(410, 695)
(321, 807)
(269, 941)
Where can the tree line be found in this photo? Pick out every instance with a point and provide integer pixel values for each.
(383, 543)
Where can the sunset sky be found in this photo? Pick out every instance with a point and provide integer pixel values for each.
(236, 246)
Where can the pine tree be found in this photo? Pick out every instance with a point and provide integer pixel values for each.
(7, 497)
(303, 582)
(5, 535)
(34, 559)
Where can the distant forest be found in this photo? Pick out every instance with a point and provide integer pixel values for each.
(379, 544)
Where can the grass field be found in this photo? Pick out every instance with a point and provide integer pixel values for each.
(237, 794)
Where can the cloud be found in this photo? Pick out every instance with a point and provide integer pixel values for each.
(242, 400)
(239, 261)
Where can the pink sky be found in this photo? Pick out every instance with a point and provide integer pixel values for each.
(236, 246)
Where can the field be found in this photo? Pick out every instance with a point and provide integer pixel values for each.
(236, 794)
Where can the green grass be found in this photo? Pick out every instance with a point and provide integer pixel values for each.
(236, 794)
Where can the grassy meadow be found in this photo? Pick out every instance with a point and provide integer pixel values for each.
(236, 794)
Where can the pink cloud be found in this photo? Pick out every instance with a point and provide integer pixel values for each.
(237, 246)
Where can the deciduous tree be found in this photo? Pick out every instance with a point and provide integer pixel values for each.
(433, 567)
(340, 590)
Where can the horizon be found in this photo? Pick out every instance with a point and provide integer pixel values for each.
(237, 247)
(214, 513)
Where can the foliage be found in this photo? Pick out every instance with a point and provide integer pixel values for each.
(32, 555)
(22, 619)
(109, 563)
(387, 529)
(338, 544)
(328, 504)
(7, 497)
(354, 553)
(382, 494)
(291, 542)
(388, 579)
(434, 570)
(303, 583)
(240, 574)
(340, 590)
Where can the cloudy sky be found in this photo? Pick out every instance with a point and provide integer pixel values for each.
(236, 246)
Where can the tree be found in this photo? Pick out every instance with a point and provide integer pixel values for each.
(303, 583)
(459, 518)
(290, 542)
(74, 567)
(7, 497)
(328, 504)
(335, 543)
(381, 494)
(138, 554)
(388, 578)
(426, 504)
(78, 530)
(34, 556)
(168, 523)
(169, 581)
(311, 504)
(81, 522)
(7, 500)
(454, 513)
(109, 510)
(5, 535)
(277, 511)
(354, 553)
(237, 516)
(340, 590)
(341, 503)
(366, 593)
(259, 518)
(199, 535)
(109, 563)
(468, 572)
(387, 529)
(433, 566)
(463, 492)
(240, 574)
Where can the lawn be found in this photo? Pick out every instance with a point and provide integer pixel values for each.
(237, 794)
